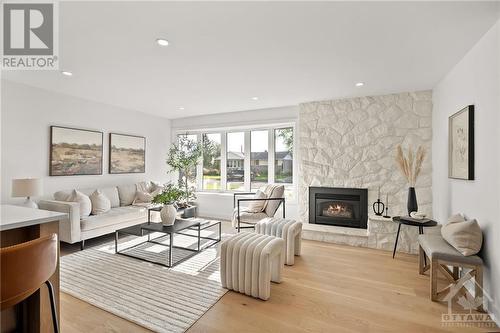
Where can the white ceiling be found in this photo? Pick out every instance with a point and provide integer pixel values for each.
(224, 53)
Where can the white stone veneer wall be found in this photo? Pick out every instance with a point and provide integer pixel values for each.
(352, 143)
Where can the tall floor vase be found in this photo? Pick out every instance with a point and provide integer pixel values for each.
(412, 201)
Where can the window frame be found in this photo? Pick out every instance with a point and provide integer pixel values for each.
(271, 130)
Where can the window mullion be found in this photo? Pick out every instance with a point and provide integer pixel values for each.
(270, 169)
(223, 162)
(199, 167)
(247, 161)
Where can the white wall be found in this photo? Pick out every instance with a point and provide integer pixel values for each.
(26, 116)
(220, 205)
(474, 80)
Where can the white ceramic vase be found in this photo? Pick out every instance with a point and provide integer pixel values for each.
(168, 214)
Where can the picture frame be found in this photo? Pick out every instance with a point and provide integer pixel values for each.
(127, 153)
(461, 144)
(75, 151)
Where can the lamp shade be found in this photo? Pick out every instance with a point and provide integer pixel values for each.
(27, 187)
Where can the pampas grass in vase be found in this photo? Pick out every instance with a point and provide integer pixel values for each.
(411, 167)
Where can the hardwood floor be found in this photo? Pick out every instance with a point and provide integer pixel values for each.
(331, 288)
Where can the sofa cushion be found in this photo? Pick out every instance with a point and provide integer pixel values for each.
(110, 192)
(114, 216)
(83, 200)
(436, 247)
(100, 203)
(127, 194)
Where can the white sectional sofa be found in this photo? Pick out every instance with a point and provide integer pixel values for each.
(122, 214)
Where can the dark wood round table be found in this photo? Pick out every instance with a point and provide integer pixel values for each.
(406, 221)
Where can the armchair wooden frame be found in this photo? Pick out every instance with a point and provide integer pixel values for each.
(236, 203)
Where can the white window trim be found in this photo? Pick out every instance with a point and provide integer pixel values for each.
(247, 151)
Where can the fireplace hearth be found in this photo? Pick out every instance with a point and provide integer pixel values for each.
(346, 207)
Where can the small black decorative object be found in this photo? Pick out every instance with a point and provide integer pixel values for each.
(386, 206)
(412, 201)
(378, 207)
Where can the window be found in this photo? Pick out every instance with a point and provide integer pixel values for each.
(259, 158)
(283, 156)
(236, 161)
(212, 161)
(245, 160)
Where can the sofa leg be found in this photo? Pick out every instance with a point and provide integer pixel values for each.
(82, 245)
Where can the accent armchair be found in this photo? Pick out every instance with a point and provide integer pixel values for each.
(241, 214)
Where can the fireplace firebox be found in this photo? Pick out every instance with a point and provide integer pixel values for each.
(346, 207)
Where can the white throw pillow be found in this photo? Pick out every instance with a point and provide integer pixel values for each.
(83, 200)
(465, 236)
(257, 206)
(100, 203)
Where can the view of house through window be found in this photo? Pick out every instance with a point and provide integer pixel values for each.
(259, 158)
(236, 161)
(270, 160)
(212, 161)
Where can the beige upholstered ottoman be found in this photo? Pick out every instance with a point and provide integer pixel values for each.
(249, 262)
(287, 229)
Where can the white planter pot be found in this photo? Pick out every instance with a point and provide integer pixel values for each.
(168, 214)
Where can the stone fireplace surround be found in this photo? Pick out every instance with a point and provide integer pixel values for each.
(352, 143)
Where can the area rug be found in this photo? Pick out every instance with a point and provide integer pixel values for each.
(155, 297)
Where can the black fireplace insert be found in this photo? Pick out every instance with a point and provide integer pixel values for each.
(346, 207)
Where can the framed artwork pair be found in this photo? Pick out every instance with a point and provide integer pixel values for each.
(75, 151)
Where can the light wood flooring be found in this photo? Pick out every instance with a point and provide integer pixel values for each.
(331, 288)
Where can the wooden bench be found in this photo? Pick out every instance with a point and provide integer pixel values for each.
(436, 255)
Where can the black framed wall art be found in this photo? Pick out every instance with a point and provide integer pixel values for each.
(75, 151)
(127, 153)
(461, 144)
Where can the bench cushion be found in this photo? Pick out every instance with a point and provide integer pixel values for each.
(437, 248)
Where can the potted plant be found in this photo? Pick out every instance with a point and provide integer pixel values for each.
(183, 157)
(168, 198)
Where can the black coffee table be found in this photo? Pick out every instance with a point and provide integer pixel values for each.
(406, 220)
(166, 233)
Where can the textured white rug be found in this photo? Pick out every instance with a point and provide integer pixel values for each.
(158, 298)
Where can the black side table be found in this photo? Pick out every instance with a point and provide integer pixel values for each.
(411, 222)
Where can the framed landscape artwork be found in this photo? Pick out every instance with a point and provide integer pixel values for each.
(75, 152)
(127, 153)
(461, 144)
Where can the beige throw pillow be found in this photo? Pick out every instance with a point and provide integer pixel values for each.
(257, 206)
(465, 236)
(100, 203)
(83, 200)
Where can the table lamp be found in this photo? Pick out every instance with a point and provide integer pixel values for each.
(27, 187)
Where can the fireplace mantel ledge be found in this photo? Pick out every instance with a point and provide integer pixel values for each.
(330, 229)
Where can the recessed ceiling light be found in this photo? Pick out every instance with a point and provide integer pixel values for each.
(360, 84)
(162, 42)
(66, 73)
(181, 108)
(255, 98)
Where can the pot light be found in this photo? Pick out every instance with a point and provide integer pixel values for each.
(67, 73)
(255, 98)
(162, 42)
(181, 108)
(360, 84)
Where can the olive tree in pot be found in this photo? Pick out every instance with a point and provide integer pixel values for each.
(168, 198)
(183, 157)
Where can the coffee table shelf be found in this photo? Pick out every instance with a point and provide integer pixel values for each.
(186, 227)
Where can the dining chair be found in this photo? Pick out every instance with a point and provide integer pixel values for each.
(25, 268)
